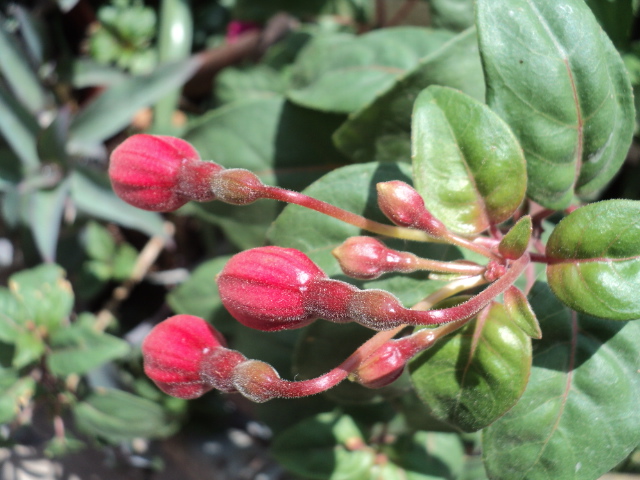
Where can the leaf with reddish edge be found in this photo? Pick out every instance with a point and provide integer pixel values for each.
(515, 242)
(467, 165)
(594, 259)
(518, 308)
(554, 76)
(476, 375)
(584, 375)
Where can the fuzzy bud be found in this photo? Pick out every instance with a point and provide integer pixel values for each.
(174, 352)
(237, 186)
(376, 309)
(382, 368)
(256, 380)
(366, 258)
(160, 173)
(403, 205)
(266, 288)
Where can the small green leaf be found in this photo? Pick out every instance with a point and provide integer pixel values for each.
(584, 375)
(79, 348)
(117, 416)
(473, 377)
(381, 130)
(29, 347)
(46, 296)
(123, 262)
(325, 447)
(515, 242)
(113, 110)
(467, 165)
(594, 259)
(16, 393)
(342, 73)
(521, 313)
(563, 89)
(98, 242)
(44, 214)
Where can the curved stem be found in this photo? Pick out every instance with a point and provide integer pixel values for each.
(448, 267)
(455, 239)
(297, 198)
(450, 289)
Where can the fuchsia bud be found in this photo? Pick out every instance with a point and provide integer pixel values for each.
(237, 186)
(366, 258)
(258, 381)
(265, 288)
(174, 352)
(403, 205)
(160, 173)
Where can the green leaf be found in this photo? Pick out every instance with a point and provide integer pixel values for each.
(46, 296)
(473, 377)
(117, 416)
(17, 72)
(98, 242)
(594, 259)
(96, 199)
(251, 134)
(518, 308)
(16, 393)
(354, 189)
(198, 295)
(21, 344)
(113, 110)
(452, 14)
(12, 316)
(44, 214)
(342, 73)
(616, 18)
(584, 375)
(19, 129)
(79, 348)
(562, 88)
(467, 165)
(514, 244)
(381, 130)
(248, 83)
(324, 447)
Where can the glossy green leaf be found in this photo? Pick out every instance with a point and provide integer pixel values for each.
(353, 188)
(343, 73)
(16, 393)
(113, 110)
(594, 259)
(325, 447)
(251, 134)
(17, 72)
(79, 348)
(381, 130)
(521, 313)
(473, 377)
(584, 375)
(467, 165)
(118, 416)
(562, 88)
(94, 197)
(46, 296)
(514, 244)
(452, 14)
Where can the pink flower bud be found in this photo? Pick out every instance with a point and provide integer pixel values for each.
(403, 205)
(258, 381)
(265, 288)
(366, 258)
(174, 352)
(237, 186)
(376, 309)
(382, 368)
(160, 173)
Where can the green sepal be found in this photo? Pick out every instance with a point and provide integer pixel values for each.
(515, 242)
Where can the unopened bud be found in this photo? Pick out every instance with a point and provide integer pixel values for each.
(160, 173)
(376, 309)
(382, 368)
(366, 258)
(236, 186)
(403, 205)
(256, 380)
(174, 352)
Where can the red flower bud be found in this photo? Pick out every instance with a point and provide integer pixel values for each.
(174, 352)
(382, 368)
(366, 258)
(403, 205)
(160, 173)
(265, 288)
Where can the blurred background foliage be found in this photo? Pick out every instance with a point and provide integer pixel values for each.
(289, 89)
